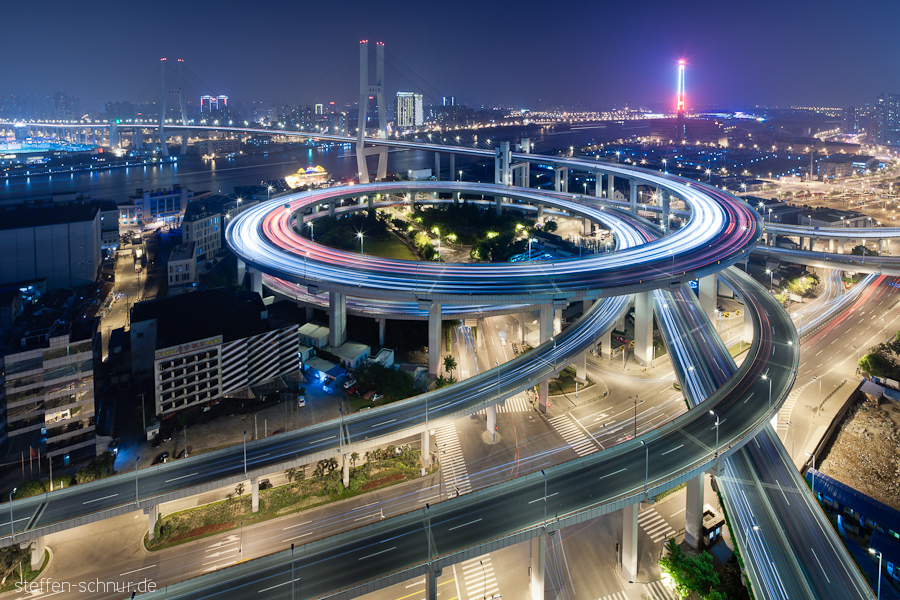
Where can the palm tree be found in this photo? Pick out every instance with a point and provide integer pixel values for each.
(449, 364)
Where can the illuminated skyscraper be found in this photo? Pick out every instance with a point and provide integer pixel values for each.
(410, 112)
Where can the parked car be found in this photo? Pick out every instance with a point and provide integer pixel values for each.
(182, 454)
(301, 401)
(349, 383)
(264, 484)
(377, 397)
(327, 389)
(162, 458)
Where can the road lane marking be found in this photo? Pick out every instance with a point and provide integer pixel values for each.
(820, 565)
(297, 537)
(99, 499)
(331, 437)
(541, 498)
(182, 477)
(381, 552)
(673, 449)
(383, 423)
(611, 474)
(465, 524)
(677, 513)
(295, 526)
(136, 570)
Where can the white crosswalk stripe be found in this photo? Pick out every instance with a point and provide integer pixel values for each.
(453, 465)
(784, 415)
(479, 578)
(616, 596)
(656, 590)
(654, 525)
(516, 404)
(573, 434)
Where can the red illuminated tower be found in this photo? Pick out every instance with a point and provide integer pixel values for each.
(680, 91)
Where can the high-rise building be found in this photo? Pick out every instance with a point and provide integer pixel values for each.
(448, 101)
(887, 114)
(410, 112)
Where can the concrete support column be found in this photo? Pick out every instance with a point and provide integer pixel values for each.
(382, 324)
(498, 204)
(840, 247)
(538, 566)
(884, 246)
(371, 202)
(337, 319)
(588, 226)
(479, 335)
(256, 282)
(331, 209)
(540, 212)
(581, 367)
(492, 422)
(434, 339)
(437, 165)
(630, 542)
(345, 467)
(38, 547)
(643, 328)
(545, 323)
(666, 202)
(522, 319)
(254, 494)
(708, 289)
(152, 513)
(431, 585)
(831, 246)
(543, 396)
(633, 195)
(610, 186)
(693, 516)
(606, 344)
(453, 175)
(557, 321)
(426, 449)
(561, 179)
(241, 270)
(598, 184)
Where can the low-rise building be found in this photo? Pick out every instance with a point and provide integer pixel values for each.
(832, 217)
(352, 354)
(203, 346)
(314, 336)
(159, 206)
(47, 386)
(182, 268)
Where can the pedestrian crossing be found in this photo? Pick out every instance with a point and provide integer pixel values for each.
(657, 590)
(516, 404)
(655, 526)
(574, 435)
(479, 578)
(453, 464)
(615, 596)
(784, 415)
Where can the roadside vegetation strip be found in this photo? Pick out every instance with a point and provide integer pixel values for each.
(15, 563)
(382, 468)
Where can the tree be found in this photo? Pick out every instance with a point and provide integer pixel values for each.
(449, 364)
(239, 489)
(690, 573)
(354, 457)
(291, 474)
(550, 226)
(876, 364)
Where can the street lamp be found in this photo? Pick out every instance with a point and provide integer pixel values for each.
(766, 378)
(793, 438)
(873, 551)
(771, 276)
(312, 232)
(545, 498)
(245, 452)
(269, 192)
(812, 476)
(12, 527)
(361, 243)
(646, 466)
(713, 413)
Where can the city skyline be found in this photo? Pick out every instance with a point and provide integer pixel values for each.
(806, 54)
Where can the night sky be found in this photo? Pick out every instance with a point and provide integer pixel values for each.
(520, 53)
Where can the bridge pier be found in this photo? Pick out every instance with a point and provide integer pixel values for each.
(545, 324)
(254, 494)
(434, 338)
(540, 212)
(337, 319)
(557, 321)
(38, 547)
(331, 209)
(643, 328)
(501, 164)
(831, 246)
(606, 344)
(152, 513)
(693, 516)
(255, 281)
(630, 542)
(610, 186)
(382, 325)
(665, 215)
(581, 367)
(345, 470)
(561, 179)
(431, 585)
(538, 566)
(426, 449)
(491, 422)
(452, 167)
(884, 246)
(598, 184)
(708, 287)
(588, 226)
(633, 196)
(437, 166)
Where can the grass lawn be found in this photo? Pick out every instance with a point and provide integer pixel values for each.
(565, 383)
(389, 248)
(738, 348)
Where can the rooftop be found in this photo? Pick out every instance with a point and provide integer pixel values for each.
(182, 252)
(233, 314)
(21, 216)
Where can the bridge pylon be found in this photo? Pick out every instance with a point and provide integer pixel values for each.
(367, 91)
(164, 94)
